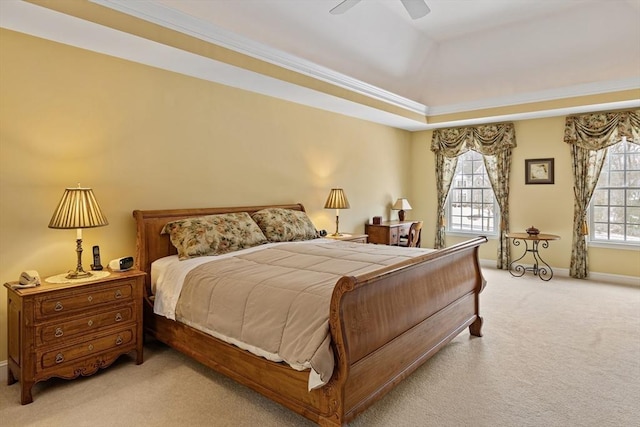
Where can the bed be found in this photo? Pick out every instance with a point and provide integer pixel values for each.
(383, 324)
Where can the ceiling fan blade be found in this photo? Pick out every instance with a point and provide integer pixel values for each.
(343, 7)
(416, 8)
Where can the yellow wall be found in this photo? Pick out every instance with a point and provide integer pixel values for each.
(144, 138)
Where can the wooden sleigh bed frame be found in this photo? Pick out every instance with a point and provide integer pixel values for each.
(383, 325)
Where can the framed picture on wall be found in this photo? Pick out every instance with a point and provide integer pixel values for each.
(538, 171)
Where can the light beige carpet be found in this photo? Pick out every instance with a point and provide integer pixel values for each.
(559, 353)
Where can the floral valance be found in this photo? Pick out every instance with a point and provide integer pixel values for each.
(596, 131)
(485, 139)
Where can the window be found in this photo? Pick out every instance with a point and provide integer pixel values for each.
(471, 205)
(615, 206)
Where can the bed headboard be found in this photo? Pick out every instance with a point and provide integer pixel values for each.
(151, 245)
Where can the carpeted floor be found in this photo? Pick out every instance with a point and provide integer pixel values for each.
(559, 353)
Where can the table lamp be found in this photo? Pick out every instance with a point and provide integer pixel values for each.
(402, 205)
(78, 209)
(337, 200)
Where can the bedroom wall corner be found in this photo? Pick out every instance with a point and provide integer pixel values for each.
(423, 185)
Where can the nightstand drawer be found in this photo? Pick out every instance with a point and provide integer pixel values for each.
(346, 237)
(394, 236)
(62, 330)
(82, 299)
(359, 239)
(96, 345)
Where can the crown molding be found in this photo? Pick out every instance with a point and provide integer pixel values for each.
(170, 18)
(187, 24)
(538, 114)
(48, 24)
(45, 23)
(541, 96)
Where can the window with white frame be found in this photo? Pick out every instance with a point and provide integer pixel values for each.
(615, 206)
(471, 204)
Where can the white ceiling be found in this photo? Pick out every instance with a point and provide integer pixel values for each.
(464, 51)
(464, 55)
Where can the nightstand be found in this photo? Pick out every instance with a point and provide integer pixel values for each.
(357, 238)
(70, 329)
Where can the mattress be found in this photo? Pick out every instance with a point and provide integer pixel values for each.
(272, 300)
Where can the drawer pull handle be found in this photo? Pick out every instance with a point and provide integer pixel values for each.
(90, 347)
(58, 332)
(118, 294)
(118, 317)
(59, 358)
(90, 298)
(119, 340)
(58, 306)
(90, 322)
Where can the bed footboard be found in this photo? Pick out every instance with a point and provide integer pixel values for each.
(391, 322)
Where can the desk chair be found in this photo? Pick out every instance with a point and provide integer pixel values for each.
(412, 240)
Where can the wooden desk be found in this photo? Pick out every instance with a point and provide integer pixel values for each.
(545, 273)
(388, 232)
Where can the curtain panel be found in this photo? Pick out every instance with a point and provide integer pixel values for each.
(495, 142)
(589, 136)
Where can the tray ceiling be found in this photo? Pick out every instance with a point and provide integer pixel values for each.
(464, 55)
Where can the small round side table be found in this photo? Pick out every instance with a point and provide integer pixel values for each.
(517, 270)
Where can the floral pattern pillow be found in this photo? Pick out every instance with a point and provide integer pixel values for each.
(213, 234)
(284, 225)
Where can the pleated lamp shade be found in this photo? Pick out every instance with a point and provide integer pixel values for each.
(337, 199)
(78, 208)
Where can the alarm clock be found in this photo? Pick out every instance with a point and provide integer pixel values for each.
(121, 264)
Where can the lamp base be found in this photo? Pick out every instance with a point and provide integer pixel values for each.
(336, 235)
(78, 274)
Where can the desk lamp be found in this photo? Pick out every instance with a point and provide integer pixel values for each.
(402, 205)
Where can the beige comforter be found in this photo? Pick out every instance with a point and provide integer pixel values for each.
(277, 299)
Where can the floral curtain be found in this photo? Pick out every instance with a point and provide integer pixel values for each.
(590, 135)
(498, 167)
(495, 142)
(445, 168)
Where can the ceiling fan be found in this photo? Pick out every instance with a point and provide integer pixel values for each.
(416, 8)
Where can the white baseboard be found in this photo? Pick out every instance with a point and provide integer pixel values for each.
(3, 371)
(617, 279)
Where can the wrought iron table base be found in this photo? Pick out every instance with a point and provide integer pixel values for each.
(544, 272)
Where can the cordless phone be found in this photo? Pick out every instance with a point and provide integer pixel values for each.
(96, 259)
